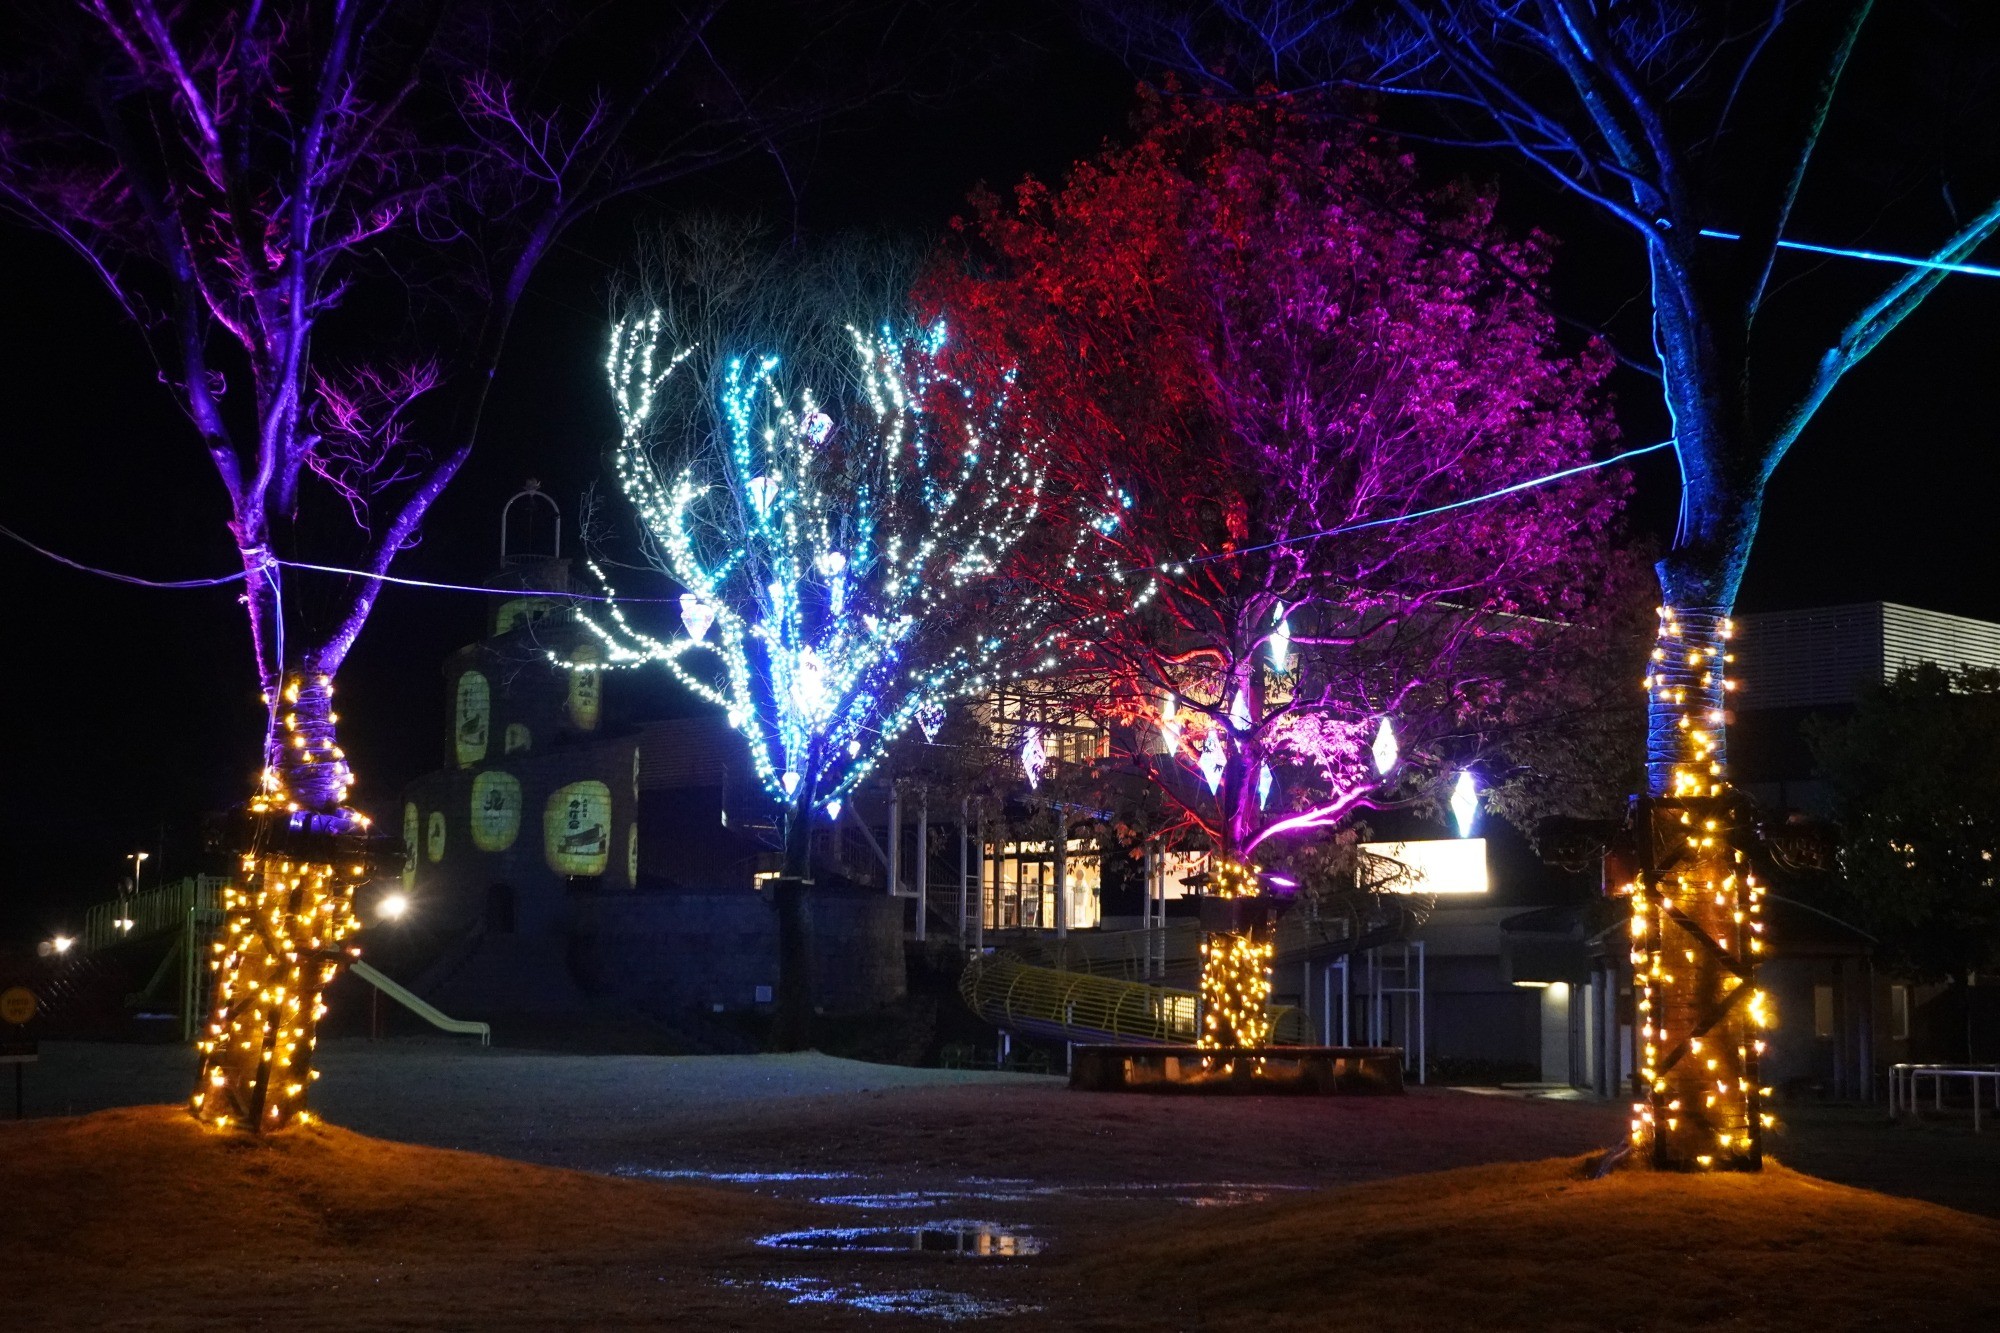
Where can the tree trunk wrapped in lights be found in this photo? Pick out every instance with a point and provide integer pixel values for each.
(1696, 922)
(1236, 950)
(287, 912)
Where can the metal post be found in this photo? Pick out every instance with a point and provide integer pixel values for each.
(923, 864)
(1062, 874)
(979, 874)
(964, 864)
(895, 839)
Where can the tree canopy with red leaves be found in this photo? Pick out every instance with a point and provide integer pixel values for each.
(1276, 370)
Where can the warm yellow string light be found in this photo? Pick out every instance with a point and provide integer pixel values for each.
(284, 923)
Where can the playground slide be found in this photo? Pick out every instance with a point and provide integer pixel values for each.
(421, 1007)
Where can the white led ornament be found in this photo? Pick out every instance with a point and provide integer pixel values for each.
(763, 490)
(1465, 802)
(1265, 779)
(696, 616)
(1281, 641)
(1034, 757)
(816, 427)
(790, 782)
(1384, 748)
(830, 563)
(833, 811)
(1214, 760)
(930, 717)
(1170, 727)
(1239, 711)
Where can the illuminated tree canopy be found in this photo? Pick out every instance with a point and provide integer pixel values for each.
(1243, 335)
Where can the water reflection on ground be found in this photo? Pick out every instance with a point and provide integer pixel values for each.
(953, 1236)
(950, 1307)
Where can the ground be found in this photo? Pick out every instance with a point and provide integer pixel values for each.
(1150, 1212)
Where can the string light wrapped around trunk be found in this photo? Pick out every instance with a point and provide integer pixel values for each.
(1696, 923)
(1236, 963)
(287, 915)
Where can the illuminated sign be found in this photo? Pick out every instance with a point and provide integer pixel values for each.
(1437, 865)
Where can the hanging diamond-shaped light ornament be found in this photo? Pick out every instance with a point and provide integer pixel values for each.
(1281, 641)
(1213, 759)
(696, 616)
(1034, 757)
(1465, 802)
(1384, 748)
(1265, 779)
(930, 717)
(1170, 727)
(833, 810)
(817, 426)
(763, 490)
(830, 563)
(1239, 711)
(790, 782)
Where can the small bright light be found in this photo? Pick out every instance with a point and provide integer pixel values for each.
(393, 907)
(1281, 642)
(1265, 779)
(1465, 803)
(124, 924)
(61, 943)
(696, 616)
(1385, 748)
(1034, 757)
(1214, 760)
(833, 811)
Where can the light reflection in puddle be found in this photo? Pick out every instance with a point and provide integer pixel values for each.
(736, 1177)
(953, 1236)
(924, 1302)
(1220, 1194)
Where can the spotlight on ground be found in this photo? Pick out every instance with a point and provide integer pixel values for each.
(393, 907)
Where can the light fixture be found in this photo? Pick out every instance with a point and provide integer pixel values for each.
(393, 907)
(1034, 757)
(1214, 761)
(696, 616)
(1465, 802)
(1281, 641)
(1384, 748)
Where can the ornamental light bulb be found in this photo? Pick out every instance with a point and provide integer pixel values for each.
(1384, 749)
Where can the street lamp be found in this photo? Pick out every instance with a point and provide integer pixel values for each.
(138, 859)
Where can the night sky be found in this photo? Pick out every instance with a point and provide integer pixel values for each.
(130, 711)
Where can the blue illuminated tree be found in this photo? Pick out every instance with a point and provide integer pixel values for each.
(843, 551)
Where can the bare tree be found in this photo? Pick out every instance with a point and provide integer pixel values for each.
(321, 219)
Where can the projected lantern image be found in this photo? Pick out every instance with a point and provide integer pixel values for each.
(472, 718)
(576, 829)
(412, 831)
(496, 811)
(586, 688)
(434, 837)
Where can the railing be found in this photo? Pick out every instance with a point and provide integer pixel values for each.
(154, 912)
(1050, 1002)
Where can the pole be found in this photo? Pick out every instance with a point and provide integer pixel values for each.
(895, 839)
(964, 864)
(923, 864)
(1062, 874)
(979, 873)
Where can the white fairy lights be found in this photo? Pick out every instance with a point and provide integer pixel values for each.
(822, 551)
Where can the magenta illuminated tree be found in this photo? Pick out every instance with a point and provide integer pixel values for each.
(1271, 366)
(321, 218)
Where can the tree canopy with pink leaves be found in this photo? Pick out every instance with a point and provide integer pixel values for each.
(1274, 366)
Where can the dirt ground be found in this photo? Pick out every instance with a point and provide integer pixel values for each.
(1148, 1213)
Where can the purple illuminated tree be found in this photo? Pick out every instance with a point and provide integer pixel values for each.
(321, 218)
(1272, 367)
(1692, 128)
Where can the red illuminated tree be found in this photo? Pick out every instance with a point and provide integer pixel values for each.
(1271, 363)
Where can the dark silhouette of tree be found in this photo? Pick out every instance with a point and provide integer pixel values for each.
(1916, 793)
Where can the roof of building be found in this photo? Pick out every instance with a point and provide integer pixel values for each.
(1822, 656)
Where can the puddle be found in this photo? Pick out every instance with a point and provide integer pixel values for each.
(956, 1236)
(1219, 1194)
(951, 1307)
(736, 1177)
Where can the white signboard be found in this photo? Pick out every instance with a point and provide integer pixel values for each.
(1454, 866)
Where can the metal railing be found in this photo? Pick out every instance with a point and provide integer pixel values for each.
(1068, 1006)
(154, 912)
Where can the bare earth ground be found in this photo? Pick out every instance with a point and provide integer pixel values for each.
(1155, 1212)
